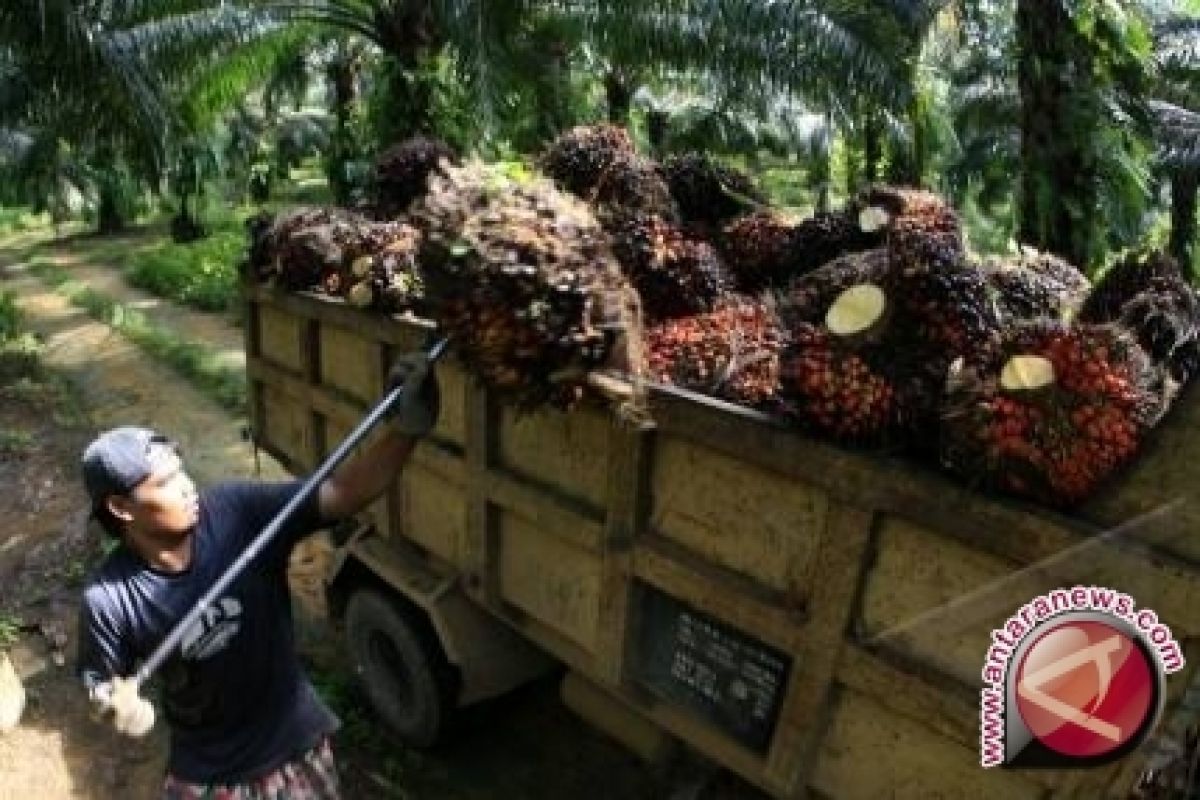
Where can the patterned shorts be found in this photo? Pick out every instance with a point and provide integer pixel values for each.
(312, 776)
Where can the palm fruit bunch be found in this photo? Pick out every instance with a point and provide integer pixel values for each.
(1148, 294)
(827, 235)
(400, 173)
(522, 278)
(709, 192)
(758, 248)
(1022, 293)
(634, 183)
(1036, 285)
(731, 352)
(840, 374)
(923, 231)
(274, 254)
(945, 299)
(675, 275)
(1048, 410)
(388, 278)
(577, 158)
(1056, 269)
(947, 309)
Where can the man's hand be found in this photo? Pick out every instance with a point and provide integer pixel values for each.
(416, 412)
(118, 700)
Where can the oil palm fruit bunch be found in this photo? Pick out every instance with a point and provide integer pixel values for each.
(1056, 269)
(400, 173)
(1148, 294)
(1036, 286)
(1135, 273)
(388, 278)
(731, 352)
(329, 251)
(827, 235)
(923, 231)
(1047, 410)
(634, 183)
(522, 277)
(710, 192)
(758, 248)
(674, 274)
(839, 373)
(310, 246)
(1022, 294)
(271, 254)
(577, 158)
(947, 309)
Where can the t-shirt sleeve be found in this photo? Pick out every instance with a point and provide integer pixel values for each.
(105, 650)
(254, 505)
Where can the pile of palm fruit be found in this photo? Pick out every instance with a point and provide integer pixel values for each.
(870, 324)
(341, 254)
(522, 277)
(400, 174)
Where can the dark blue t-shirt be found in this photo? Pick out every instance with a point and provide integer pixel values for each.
(235, 696)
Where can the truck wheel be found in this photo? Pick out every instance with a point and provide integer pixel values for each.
(401, 666)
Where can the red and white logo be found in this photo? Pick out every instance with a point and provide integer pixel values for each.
(1074, 687)
(1085, 689)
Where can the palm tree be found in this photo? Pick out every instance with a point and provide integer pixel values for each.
(99, 75)
(1177, 127)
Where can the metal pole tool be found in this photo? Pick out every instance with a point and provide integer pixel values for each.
(168, 645)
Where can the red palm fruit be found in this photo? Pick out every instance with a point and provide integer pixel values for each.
(1049, 410)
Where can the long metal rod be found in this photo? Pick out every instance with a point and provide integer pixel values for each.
(168, 645)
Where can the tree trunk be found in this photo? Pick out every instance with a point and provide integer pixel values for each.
(907, 165)
(343, 74)
(1057, 182)
(1184, 186)
(110, 219)
(657, 127)
(619, 87)
(551, 91)
(872, 148)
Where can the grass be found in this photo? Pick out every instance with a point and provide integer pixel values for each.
(193, 361)
(10, 630)
(18, 220)
(20, 352)
(15, 442)
(200, 274)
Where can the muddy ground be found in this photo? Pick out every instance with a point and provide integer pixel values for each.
(524, 745)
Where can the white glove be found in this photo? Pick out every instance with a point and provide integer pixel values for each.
(132, 714)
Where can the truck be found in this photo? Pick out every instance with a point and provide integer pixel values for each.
(811, 617)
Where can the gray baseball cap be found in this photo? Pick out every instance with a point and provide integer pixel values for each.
(118, 460)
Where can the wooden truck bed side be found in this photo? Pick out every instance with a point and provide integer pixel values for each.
(589, 536)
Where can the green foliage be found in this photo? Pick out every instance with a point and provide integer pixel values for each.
(18, 220)
(10, 630)
(20, 352)
(10, 317)
(193, 361)
(202, 274)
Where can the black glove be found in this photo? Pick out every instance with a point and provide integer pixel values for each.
(416, 411)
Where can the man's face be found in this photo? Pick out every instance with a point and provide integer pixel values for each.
(165, 502)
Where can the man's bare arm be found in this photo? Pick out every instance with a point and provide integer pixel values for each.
(363, 479)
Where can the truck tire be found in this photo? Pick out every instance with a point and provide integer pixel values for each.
(401, 667)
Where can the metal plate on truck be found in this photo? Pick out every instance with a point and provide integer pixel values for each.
(692, 660)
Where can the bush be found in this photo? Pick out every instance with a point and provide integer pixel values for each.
(202, 274)
(20, 352)
(16, 220)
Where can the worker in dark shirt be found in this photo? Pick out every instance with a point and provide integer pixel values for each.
(244, 720)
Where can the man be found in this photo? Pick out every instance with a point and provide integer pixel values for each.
(245, 722)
